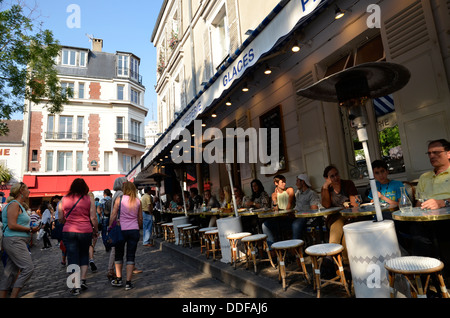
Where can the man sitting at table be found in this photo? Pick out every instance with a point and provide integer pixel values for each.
(388, 190)
(434, 185)
(305, 199)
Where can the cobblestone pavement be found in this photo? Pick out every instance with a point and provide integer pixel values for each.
(164, 276)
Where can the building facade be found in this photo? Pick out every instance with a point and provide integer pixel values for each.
(99, 135)
(222, 46)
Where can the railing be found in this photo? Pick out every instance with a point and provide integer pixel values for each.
(127, 72)
(130, 137)
(65, 136)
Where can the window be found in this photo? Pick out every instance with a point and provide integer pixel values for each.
(382, 117)
(120, 92)
(220, 43)
(49, 160)
(135, 96)
(81, 90)
(50, 126)
(64, 161)
(135, 130)
(108, 156)
(79, 161)
(80, 123)
(127, 163)
(134, 69)
(122, 65)
(83, 56)
(65, 127)
(69, 57)
(67, 88)
(34, 155)
(119, 128)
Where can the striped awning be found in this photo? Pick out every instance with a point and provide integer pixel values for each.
(383, 105)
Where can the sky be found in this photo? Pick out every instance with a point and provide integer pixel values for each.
(123, 26)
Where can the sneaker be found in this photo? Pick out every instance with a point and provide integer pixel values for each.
(117, 282)
(129, 286)
(84, 285)
(75, 291)
(93, 266)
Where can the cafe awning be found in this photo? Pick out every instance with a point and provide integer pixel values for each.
(286, 17)
(48, 186)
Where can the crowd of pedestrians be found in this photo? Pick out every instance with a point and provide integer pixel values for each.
(85, 220)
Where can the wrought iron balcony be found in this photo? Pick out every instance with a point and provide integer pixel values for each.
(130, 138)
(73, 136)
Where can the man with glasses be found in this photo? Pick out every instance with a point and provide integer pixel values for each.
(434, 186)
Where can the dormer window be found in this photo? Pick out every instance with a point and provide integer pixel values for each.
(122, 65)
(73, 58)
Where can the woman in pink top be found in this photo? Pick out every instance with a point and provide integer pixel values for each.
(130, 220)
(80, 226)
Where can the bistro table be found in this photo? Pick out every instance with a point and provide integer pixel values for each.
(366, 209)
(309, 213)
(432, 222)
(275, 213)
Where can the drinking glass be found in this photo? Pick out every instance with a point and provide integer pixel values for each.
(358, 199)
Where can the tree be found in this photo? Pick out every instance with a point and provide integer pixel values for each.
(27, 65)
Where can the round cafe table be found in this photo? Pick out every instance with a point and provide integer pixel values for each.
(309, 213)
(275, 214)
(366, 209)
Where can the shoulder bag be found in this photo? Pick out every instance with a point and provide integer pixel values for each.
(114, 233)
(58, 230)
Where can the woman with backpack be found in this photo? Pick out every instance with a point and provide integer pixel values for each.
(131, 221)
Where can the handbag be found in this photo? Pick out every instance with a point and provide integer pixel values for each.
(114, 233)
(57, 232)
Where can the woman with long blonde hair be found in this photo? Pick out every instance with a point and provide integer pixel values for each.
(16, 235)
(130, 220)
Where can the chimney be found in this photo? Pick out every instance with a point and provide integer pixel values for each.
(97, 45)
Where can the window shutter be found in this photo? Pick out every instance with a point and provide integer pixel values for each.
(233, 27)
(207, 52)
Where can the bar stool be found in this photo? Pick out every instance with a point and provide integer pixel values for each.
(190, 232)
(212, 243)
(253, 242)
(158, 229)
(234, 241)
(181, 236)
(281, 248)
(202, 237)
(169, 234)
(317, 253)
(412, 267)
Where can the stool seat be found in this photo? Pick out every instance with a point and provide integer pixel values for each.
(411, 267)
(254, 237)
(183, 225)
(212, 232)
(325, 249)
(192, 227)
(238, 236)
(201, 234)
(206, 229)
(212, 237)
(414, 264)
(287, 244)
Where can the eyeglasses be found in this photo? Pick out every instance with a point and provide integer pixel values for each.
(436, 153)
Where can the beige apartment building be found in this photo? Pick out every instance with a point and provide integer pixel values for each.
(209, 50)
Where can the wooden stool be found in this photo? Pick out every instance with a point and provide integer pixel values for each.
(212, 243)
(190, 232)
(202, 237)
(253, 242)
(158, 229)
(411, 267)
(317, 253)
(181, 236)
(169, 234)
(295, 246)
(234, 241)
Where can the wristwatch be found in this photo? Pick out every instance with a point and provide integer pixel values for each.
(447, 203)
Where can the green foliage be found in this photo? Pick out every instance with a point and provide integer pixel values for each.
(5, 174)
(389, 138)
(27, 65)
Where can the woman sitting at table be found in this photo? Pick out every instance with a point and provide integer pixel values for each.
(282, 199)
(176, 203)
(337, 193)
(259, 198)
(225, 197)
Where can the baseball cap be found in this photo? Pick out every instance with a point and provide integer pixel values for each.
(305, 178)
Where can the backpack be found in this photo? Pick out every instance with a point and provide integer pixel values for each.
(107, 208)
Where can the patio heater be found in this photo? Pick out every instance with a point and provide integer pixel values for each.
(352, 88)
(372, 242)
(179, 172)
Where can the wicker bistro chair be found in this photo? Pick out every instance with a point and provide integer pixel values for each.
(281, 248)
(169, 234)
(181, 234)
(412, 267)
(212, 243)
(234, 239)
(202, 237)
(317, 253)
(254, 242)
(190, 232)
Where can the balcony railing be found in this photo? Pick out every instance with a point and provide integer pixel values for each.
(128, 73)
(65, 136)
(130, 137)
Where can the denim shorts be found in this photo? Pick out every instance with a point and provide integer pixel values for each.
(77, 247)
(131, 238)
